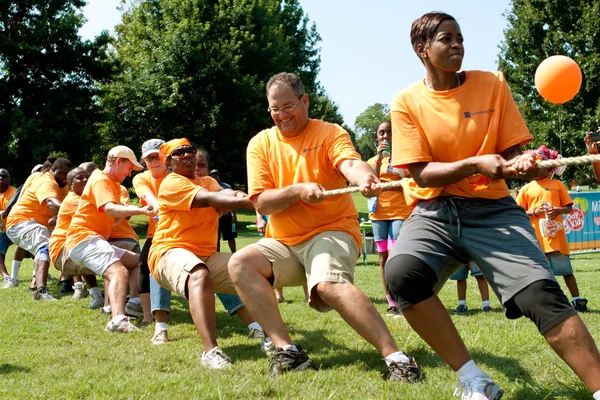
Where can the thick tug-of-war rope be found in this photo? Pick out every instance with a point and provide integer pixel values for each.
(540, 164)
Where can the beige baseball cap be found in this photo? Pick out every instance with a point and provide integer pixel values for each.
(125, 152)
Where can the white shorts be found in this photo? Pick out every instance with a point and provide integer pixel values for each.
(67, 266)
(31, 236)
(95, 254)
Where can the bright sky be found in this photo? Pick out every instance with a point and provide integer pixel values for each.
(366, 55)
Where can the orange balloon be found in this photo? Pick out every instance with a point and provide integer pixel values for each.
(558, 79)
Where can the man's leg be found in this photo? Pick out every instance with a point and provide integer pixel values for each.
(3, 270)
(232, 245)
(118, 276)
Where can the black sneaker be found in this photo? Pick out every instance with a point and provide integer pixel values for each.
(487, 309)
(461, 309)
(289, 360)
(405, 372)
(66, 286)
(580, 305)
(391, 311)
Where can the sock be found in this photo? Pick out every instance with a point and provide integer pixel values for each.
(118, 318)
(255, 325)
(78, 285)
(597, 395)
(462, 302)
(160, 326)
(290, 347)
(135, 300)
(485, 303)
(391, 301)
(107, 309)
(397, 357)
(575, 298)
(95, 290)
(14, 272)
(469, 371)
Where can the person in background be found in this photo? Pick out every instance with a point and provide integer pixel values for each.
(592, 148)
(6, 193)
(227, 221)
(460, 276)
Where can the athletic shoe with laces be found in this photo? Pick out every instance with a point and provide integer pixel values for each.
(79, 291)
(123, 326)
(97, 300)
(580, 305)
(160, 337)
(480, 388)
(215, 359)
(267, 346)
(134, 309)
(254, 333)
(405, 372)
(487, 309)
(289, 360)
(461, 309)
(66, 286)
(42, 294)
(394, 312)
(9, 282)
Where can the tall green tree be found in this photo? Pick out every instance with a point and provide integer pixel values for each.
(47, 83)
(198, 69)
(366, 124)
(536, 30)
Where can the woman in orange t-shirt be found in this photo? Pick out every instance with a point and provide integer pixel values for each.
(460, 135)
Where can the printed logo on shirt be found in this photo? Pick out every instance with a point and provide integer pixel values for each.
(312, 148)
(469, 114)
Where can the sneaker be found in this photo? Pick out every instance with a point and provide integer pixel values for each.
(393, 312)
(487, 309)
(461, 309)
(480, 388)
(160, 337)
(122, 326)
(79, 291)
(143, 323)
(66, 286)
(9, 282)
(97, 300)
(105, 309)
(42, 294)
(267, 346)
(289, 360)
(215, 359)
(580, 305)
(405, 372)
(134, 309)
(254, 333)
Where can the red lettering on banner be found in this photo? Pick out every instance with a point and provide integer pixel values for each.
(575, 220)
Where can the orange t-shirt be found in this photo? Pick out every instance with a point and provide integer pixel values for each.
(275, 162)
(28, 181)
(123, 229)
(90, 218)
(59, 234)
(144, 183)
(6, 196)
(180, 225)
(390, 204)
(32, 203)
(551, 191)
(477, 118)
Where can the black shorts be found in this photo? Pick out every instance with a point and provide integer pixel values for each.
(225, 225)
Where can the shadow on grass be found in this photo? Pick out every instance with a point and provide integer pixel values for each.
(510, 367)
(6, 369)
(558, 391)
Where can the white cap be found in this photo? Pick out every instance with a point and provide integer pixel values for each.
(125, 152)
(151, 146)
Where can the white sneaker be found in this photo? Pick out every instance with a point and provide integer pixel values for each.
(122, 326)
(97, 300)
(480, 388)
(215, 359)
(267, 346)
(9, 282)
(254, 333)
(161, 337)
(80, 291)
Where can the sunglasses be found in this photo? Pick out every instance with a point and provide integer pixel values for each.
(182, 152)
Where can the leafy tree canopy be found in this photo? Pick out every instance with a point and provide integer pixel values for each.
(366, 124)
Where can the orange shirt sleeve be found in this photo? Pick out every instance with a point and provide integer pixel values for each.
(178, 193)
(340, 146)
(141, 186)
(565, 199)
(47, 190)
(513, 130)
(259, 174)
(125, 196)
(522, 198)
(103, 194)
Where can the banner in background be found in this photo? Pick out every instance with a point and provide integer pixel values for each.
(583, 223)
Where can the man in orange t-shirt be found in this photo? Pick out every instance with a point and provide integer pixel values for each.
(460, 135)
(6, 193)
(28, 223)
(183, 256)
(309, 238)
(99, 208)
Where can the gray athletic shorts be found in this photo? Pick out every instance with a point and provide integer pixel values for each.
(449, 232)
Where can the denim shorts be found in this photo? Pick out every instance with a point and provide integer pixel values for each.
(4, 243)
(386, 229)
(560, 263)
(462, 273)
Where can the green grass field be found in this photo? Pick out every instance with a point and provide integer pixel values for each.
(59, 350)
